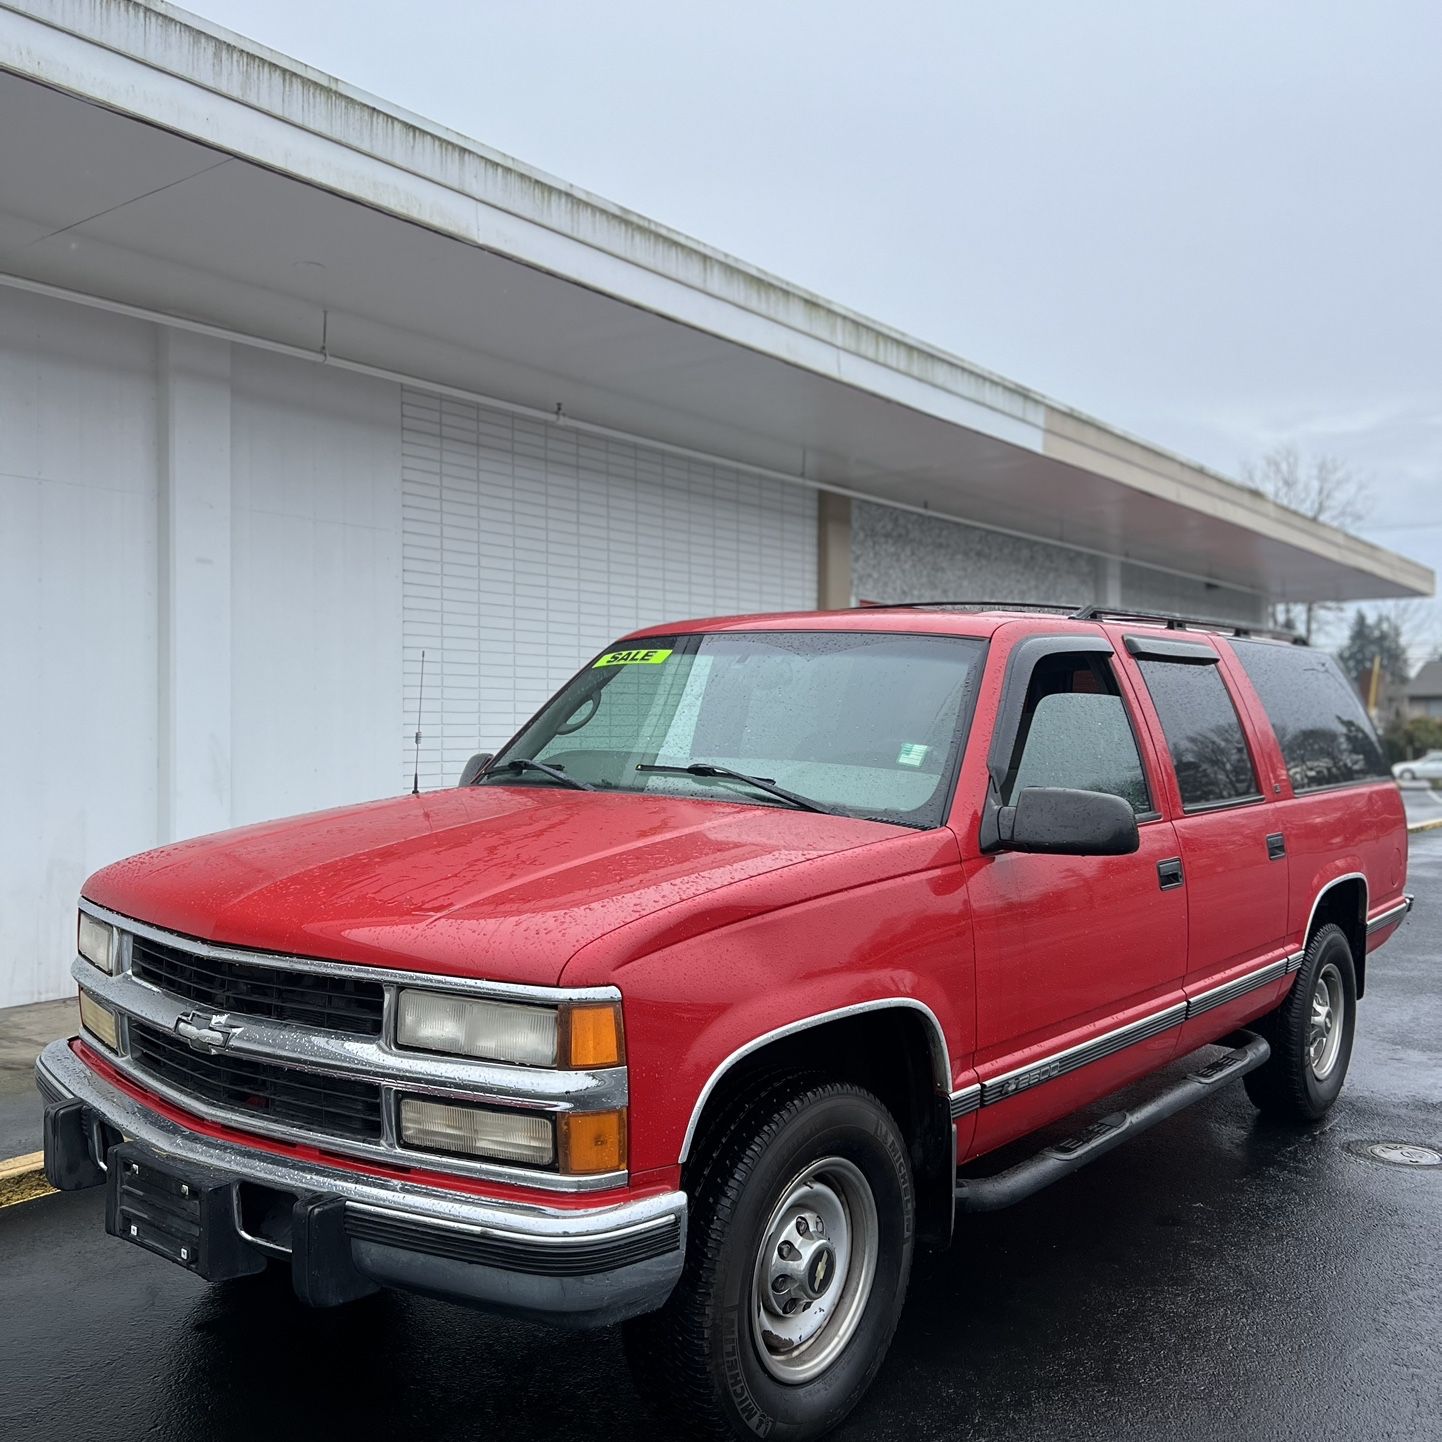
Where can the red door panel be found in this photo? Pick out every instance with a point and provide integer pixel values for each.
(1069, 948)
(1079, 959)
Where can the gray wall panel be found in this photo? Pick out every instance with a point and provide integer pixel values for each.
(902, 556)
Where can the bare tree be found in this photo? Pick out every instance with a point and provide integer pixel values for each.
(1323, 489)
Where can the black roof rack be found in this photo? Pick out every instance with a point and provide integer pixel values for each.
(1069, 609)
(1170, 619)
(1174, 622)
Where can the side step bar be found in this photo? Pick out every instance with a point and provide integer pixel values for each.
(1051, 1164)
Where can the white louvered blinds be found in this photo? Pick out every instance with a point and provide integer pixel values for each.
(527, 546)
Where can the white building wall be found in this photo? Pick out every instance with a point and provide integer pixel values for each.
(200, 601)
(529, 546)
(78, 568)
(193, 527)
(316, 608)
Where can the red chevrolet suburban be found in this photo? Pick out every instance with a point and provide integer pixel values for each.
(696, 1005)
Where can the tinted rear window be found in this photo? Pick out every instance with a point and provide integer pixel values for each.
(1326, 737)
(1203, 733)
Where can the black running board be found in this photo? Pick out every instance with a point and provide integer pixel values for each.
(1051, 1164)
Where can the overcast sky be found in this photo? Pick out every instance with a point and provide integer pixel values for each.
(1217, 225)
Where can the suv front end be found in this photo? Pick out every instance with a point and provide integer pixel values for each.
(372, 1126)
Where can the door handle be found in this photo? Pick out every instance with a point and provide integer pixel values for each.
(1276, 846)
(1169, 873)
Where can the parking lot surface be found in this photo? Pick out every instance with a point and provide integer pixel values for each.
(1218, 1277)
(1423, 803)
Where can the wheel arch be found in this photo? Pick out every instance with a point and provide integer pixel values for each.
(1343, 902)
(894, 1047)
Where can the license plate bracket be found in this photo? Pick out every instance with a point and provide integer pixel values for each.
(179, 1210)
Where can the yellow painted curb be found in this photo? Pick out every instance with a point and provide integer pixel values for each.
(1425, 825)
(22, 1179)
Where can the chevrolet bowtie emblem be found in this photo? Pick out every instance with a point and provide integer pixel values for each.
(205, 1032)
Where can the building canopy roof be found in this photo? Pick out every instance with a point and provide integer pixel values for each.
(157, 162)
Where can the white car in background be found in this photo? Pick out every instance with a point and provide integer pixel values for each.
(1427, 767)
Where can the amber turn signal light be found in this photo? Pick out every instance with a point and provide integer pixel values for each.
(593, 1035)
(592, 1142)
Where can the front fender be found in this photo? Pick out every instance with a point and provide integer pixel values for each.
(696, 1008)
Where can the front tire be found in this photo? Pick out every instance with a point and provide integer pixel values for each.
(1311, 1034)
(798, 1255)
(1407, 776)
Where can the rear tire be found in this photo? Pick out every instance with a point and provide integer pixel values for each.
(1311, 1034)
(798, 1254)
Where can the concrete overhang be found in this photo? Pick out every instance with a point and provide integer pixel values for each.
(153, 161)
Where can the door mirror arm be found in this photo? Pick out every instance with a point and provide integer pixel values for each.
(990, 837)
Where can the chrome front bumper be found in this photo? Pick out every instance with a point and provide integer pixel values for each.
(577, 1266)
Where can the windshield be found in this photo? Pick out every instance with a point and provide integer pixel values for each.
(862, 723)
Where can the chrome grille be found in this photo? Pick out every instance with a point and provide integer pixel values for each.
(324, 1104)
(275, 993)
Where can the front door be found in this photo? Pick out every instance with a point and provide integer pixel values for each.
(1079, 959)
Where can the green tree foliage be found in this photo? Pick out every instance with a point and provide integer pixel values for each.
(1374, 635)
(1406, 740)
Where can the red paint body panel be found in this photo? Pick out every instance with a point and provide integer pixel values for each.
(503, 883)
(694, 1003)
(724, 922)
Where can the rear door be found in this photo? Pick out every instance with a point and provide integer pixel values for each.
(1079, 959)
(1229, 833)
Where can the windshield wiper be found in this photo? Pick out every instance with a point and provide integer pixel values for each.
(524, 763)
(761, 783)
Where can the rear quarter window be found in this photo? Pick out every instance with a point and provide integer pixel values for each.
(1326, 736)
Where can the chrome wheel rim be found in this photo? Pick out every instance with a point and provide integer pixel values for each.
(814, 1270)
(1326, 1025)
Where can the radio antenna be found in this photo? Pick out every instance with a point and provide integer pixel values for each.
(420, 700)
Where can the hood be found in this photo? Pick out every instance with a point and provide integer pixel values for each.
(498, 882)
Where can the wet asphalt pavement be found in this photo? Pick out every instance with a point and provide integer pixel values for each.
(1216, 1278)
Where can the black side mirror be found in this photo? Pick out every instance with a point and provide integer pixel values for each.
(1059, 820)
(475, 766)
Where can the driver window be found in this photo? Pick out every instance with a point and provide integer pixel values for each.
(1075, 732)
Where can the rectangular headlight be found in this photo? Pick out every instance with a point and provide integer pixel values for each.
(99, 1021)
(469, 1026)
(576, 1034)
(435, 1126)
(95, 941)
